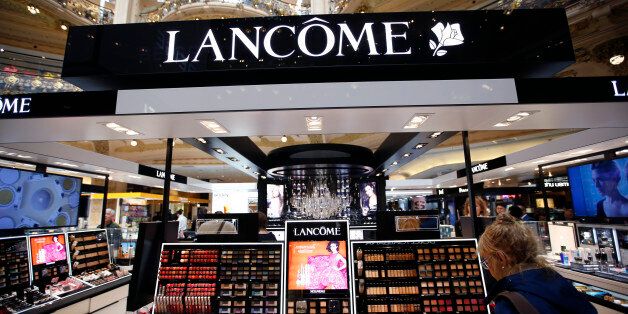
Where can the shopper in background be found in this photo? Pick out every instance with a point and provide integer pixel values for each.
(500, 208)
(110, 216)
(526, 283)
(481, 207)
(183, 223)
(568, 214)
(263, 234)
(517, 212)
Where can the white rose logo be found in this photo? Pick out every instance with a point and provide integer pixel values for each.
(449, 35)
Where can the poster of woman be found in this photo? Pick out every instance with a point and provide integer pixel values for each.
(317, 265)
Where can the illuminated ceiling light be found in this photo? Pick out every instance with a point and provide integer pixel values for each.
(406, 155)
(121, 129)
(394, 163)
(453, 186)
(616, 59)
(314, 123)
(24, 156)
(539, 161)
(508, 179)
(435, 134)
(202, 140)
(378, 174)
(420, 145)
(32, 9)
(1, 49)
(218, 150)
(233, 159)
(133, 143)
(256, 173)
(499, 182)
(64, 26)
(284, 139)
(103, 171)
(549, 174)
(514, 118)
(621, 152)
(385, 169)
(417, 120)
(263, 177)
(213, 126)
(66, 164)
(133, 176)
(584, 151)
(509, 168)
(247, 167)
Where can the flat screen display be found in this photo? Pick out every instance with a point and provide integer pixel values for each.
(48, 249)
(562, 235)
(600, 189)
(34, 200)
(368, 199)
(317, 266)
(274, 200)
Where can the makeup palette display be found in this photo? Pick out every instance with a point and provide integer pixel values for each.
(225, 278)
(14, 272)
(88, 251)
(436, 276)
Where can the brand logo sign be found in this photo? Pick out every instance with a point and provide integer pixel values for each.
(485, 166)
(479, 168)
(317, 231)
(618, 91)
(15, 105)
(556, 182)
(463, 190)
(314, 38)
(160, 174)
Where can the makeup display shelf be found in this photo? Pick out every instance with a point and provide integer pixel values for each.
(433, 276)
(221, 278)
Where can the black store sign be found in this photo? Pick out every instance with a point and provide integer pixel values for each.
(485, 166)
(57, 105)
(160, 174)
(463, 44)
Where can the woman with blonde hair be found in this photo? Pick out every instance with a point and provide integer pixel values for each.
(526, 283)
(481, 207)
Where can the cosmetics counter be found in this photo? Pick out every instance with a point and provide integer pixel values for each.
(593, 257)
(47, 272)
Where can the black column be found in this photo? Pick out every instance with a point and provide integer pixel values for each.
(541, 184)
(467, 166)
(165, 206)
(40, 168)
(104, 201)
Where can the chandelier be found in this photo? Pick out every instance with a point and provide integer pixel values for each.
(321, 198)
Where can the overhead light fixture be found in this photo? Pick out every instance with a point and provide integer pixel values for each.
(284, 139)
(32, 9)
(549, 174)
(64, 26)
(417, 120)
(584, 151)
(213, 126)
(394, 163)
(621, 152)
(406, 155)
(499, 182)
(514, 118)
(103, 171)
(121, 129)
(233, 159)
(378, 174)
(65, 164)
(385, 169)
(24, 156)
(218, 150)
(133, 176)
(616, 59)
(133, 143)
(314, 123)
(420, 145)
(263, 177)
(247, 167)
(509, 168)
(435, 134)
(202, 140)
(1, 49)
(539, 161)
(256, 173)
(579, 160)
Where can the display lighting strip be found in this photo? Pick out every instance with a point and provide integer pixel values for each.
(314, 123)
(202, 140)
(514, 118)
(121, 129)
(15, 154)
(103, 171)
(219, 150)
(213, 126)
(420, 145)
(417, 120)
(65, 164)
(435, 134)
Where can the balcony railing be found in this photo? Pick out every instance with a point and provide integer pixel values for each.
(270, 7)
(88, 10)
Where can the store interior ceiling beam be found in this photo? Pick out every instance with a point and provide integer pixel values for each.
(400, 148)
(238, 152)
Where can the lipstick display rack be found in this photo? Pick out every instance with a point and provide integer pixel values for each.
(224, 279)
(435, 276)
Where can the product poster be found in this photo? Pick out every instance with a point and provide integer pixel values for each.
(317, 265)
(419, 203)
(585, 235)
(368, 198)
(48, 249)
(274, 200)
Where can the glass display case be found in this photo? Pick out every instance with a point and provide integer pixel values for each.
(122, 244)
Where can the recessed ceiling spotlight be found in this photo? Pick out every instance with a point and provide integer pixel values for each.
(247, 167)
(120, 129)
(417, 120)
(514, 118)
(24, 156)
(64, 26)
(284, 138)
(213, 126)
(420, 145)
(378, 174)
(584, 151)
(435, 134)
(406, 155)
(314, 123)
(133, 176)
(256, 173)
(202, 140)
(539, 161)
(394, 163)
(616, 59)
(263, 177)
(133, 143)
(218, 150)
(509, 168)
(32, 9)
(385, 169)
(103, 171)
(233, 159)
